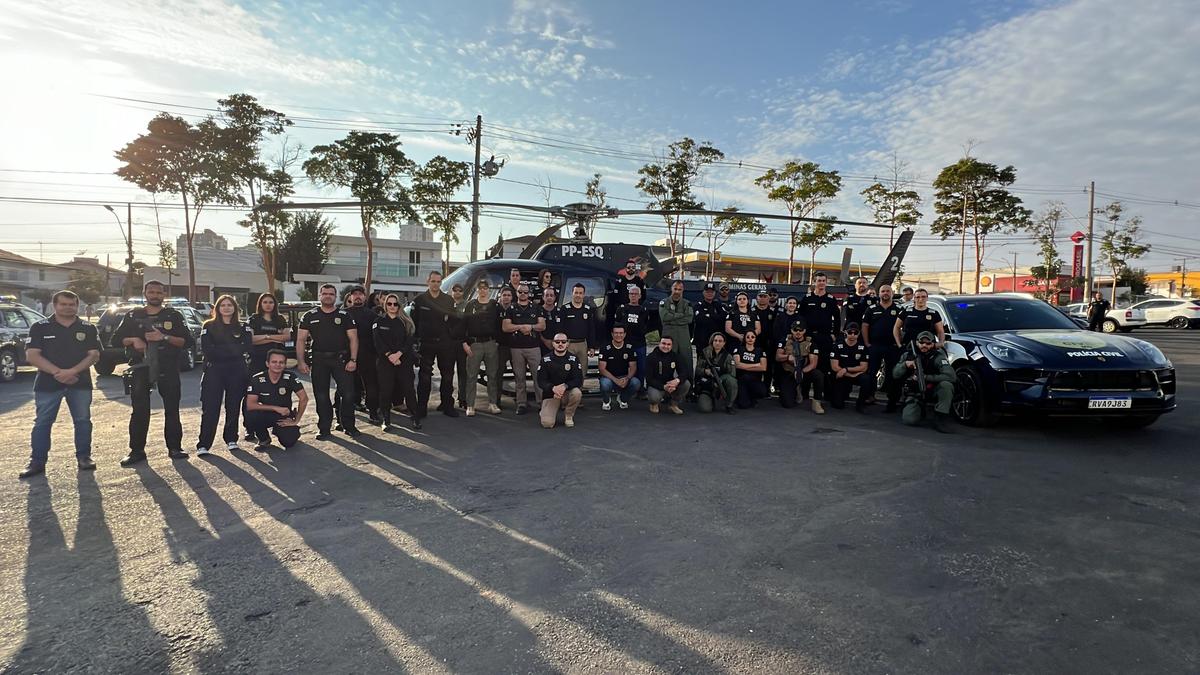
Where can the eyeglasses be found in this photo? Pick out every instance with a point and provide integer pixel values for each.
(924, 342)
(392, 304)
(797, 330)
(851, 332)
(560, 342)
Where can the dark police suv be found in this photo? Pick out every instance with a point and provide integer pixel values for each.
(1014, 353)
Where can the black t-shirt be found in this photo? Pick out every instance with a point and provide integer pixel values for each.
(847, 356)
(328, 330)
(917, 321)
(636, 321)
(261, 326)
(617, 361)
(275, 393)
(856, 306)
(482, 320)
(579, 323)
(225, 343)
(1097, 309)
(64, 346)
(822, 315)
(364, 318)
(743, 322)
(168, 321)
(708, 318)
(527, 315)
(434, 317)
(749, 357)
(878, 322)
(624, 283)
(766, 319)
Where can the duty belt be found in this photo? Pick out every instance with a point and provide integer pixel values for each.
(328, 355)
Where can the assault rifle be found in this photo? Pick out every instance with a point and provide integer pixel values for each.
(914, 352)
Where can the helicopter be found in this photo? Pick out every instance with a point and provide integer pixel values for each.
(578, 259)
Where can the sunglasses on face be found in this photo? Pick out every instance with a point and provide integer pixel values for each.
(393, 304)
(851, 332)
(560, 342)
(925, 343)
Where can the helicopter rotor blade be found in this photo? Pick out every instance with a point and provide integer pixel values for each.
(765, 216)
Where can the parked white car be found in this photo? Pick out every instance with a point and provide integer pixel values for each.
(1118, 319)
(1173, 313)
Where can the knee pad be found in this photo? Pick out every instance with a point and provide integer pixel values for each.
(705, 403)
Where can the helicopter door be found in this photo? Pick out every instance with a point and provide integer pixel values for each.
(593, 289)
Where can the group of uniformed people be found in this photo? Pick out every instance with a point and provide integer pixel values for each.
(801, 350)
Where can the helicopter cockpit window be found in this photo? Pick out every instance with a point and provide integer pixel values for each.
(459, 276)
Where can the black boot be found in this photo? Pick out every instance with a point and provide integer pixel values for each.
(941, 422)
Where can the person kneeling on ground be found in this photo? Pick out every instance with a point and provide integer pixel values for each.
(716, 376)
(618, 371)
(560, 379)
(939, 383)
(667, 377)
(847, 367)
(751, 362)
(269, 403)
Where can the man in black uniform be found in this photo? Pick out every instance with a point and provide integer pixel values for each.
(579, 320)
(334, 355)
(798, 370)
(1096, 311)
(434, 315)
(522, 321)
(458, 332)
(725, 299)
(627, 279)
(848, 367)
(164, 331)
(917, 319)
(765, 311)
(560, 379)
(514, 282)
(668, 377)
(62, 348)
(857, 303)
(637, 321)
(709, 317)
(877, 325)
(366, 375)
(820, 312)
(269, 403)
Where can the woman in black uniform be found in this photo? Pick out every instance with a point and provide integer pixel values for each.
(225, 341)
(270, 330)
(751, 363)
(393, 333)
(740, 321)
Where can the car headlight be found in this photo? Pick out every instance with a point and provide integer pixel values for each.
(1153, 353)
(1011, 355)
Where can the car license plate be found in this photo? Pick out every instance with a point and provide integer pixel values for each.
(1109, 402)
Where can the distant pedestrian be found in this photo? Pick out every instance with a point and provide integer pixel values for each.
(62, 348)
(1097, 311)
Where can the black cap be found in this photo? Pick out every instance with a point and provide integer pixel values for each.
(710, 286)
(724, 287)
(799, 324)
(357, 288)
(850, 326)
(761, 293)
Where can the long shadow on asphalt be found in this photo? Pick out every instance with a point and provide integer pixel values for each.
(73, 595)
(438, 591)
(240, 606)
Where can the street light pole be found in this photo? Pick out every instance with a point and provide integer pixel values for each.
(127, 234)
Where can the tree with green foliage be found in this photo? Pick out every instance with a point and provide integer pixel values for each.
(246, 126)
(670, 183)
(816, 235)
(305, 246)
(168, 259)
(434, 184)
(971, 197)
(597, 196)
(1045, 276)
(89, 286)
(1136, 279)
(1121, 243)
(801, 187)
(725, 227)
(177, 158)
(373, 167)
(891, 203)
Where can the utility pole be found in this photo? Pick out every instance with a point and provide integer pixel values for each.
(1091, 228)
(475, 191)
(1183, 277)
(129, 249)
(107, 274)
(962, 247)
(1014, 274)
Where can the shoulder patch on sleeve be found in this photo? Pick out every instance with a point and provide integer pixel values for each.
(546, 359)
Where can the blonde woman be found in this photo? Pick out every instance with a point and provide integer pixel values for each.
(394, 333)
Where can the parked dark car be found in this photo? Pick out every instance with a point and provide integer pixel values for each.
(111, 355)
(15, 321)
(1014, 353)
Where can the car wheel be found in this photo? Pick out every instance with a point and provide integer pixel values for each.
(8, 365)
(105, 367)
(971, 405)
(1179, 322)
(1110, 326)
(189, 360)
(1132, 421)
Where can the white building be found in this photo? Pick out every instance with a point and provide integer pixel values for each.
(205, 239)
(397, 264)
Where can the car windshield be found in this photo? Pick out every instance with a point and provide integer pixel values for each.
(987, 314)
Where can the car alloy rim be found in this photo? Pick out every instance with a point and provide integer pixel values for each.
(8, 365)
(1110, 327)
(964, 398)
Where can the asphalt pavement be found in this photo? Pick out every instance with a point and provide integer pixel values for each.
(770, 541)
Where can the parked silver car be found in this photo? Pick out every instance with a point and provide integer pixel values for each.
(1117, 319)
(1170, 312)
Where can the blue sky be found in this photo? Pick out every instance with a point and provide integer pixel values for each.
(1067, 91)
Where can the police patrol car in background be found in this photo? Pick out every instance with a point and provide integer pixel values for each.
(1013, 353)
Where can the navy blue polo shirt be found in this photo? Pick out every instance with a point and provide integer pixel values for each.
(64, 346)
